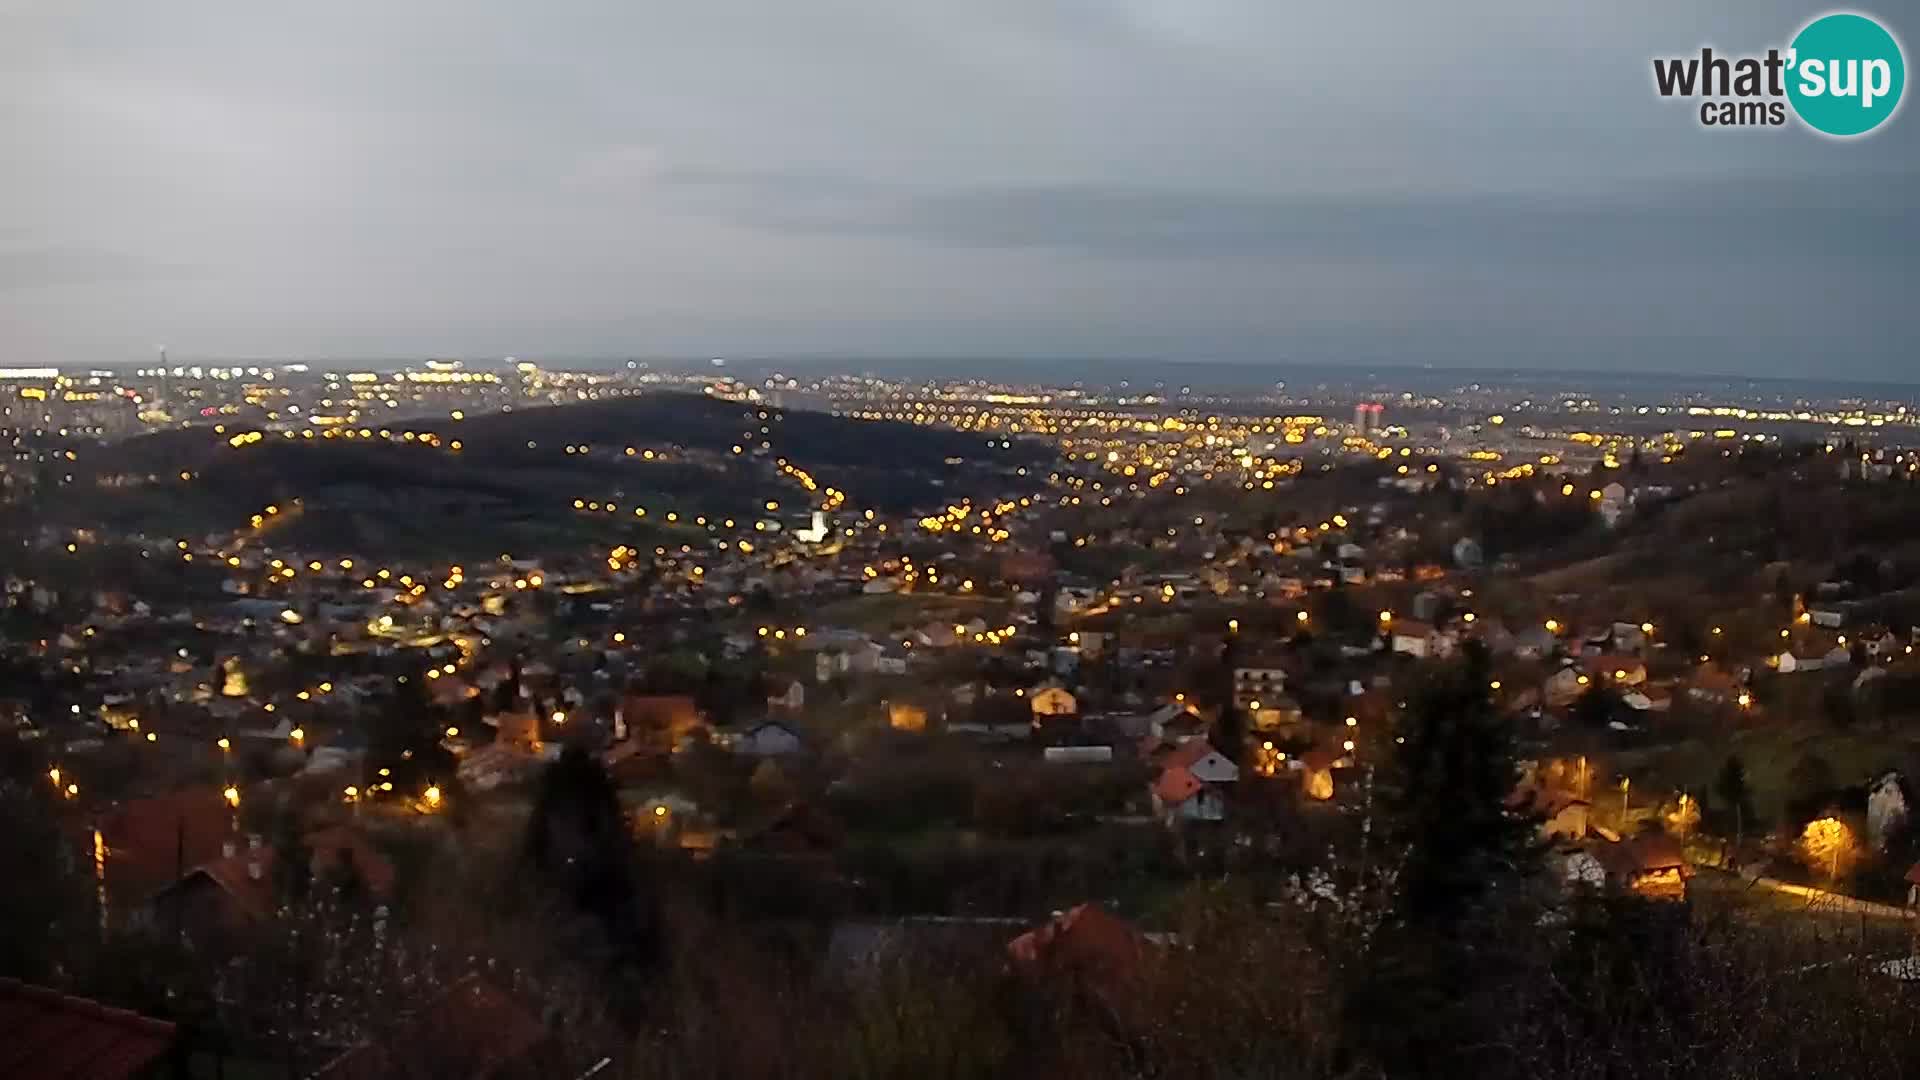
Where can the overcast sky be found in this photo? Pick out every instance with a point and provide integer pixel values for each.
(1492, 183)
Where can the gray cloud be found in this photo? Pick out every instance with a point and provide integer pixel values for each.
(1408, 183)
(47, 268)
(1820, 218)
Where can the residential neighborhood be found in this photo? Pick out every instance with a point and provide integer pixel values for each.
(1037, 725)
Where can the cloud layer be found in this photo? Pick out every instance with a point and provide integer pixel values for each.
(1205, 179)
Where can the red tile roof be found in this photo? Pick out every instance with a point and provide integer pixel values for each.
(45, 1034)
(253, 895)
(1185, 723)
(1187, 754)
(1085, 942)
(152, 842)
(1176, 785)
(327, 847)
(1647, 853)
(334, 844)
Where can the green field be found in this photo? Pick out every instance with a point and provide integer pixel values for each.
(1769, 754)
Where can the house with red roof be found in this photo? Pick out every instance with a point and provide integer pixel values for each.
(45, 1035)
(1087, 946)
(1651, 865)
(1711, 684)
(150, 843)
(239, 889)
(1207, 765)
(1180, 796)
(1415, 637)
(1563, 814)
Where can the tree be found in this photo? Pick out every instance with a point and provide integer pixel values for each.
(406, 737)
(579, 845)
(1229, 735)
(1684, 816)
(46, 904)
(1464, 866)
(1597, 706)
(1445, 793)
(292, 859)
(1828, 848)
(1810, 785)
(1730, 787)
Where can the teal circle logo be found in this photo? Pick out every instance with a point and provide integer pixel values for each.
(1845, 74)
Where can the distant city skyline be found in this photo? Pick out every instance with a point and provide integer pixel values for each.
(1162, 376)
(1034, 184)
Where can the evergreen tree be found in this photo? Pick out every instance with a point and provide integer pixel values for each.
(1810, 785)
(1730, 787)
(406, 738)
(1445, 795)
(292, 859)
(578, 845)
(1465, 862)
(1597, 706)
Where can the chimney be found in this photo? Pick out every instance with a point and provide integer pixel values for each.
(228, 849)
(256, 869)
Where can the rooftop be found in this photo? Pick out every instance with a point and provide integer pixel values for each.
(46, 1034)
